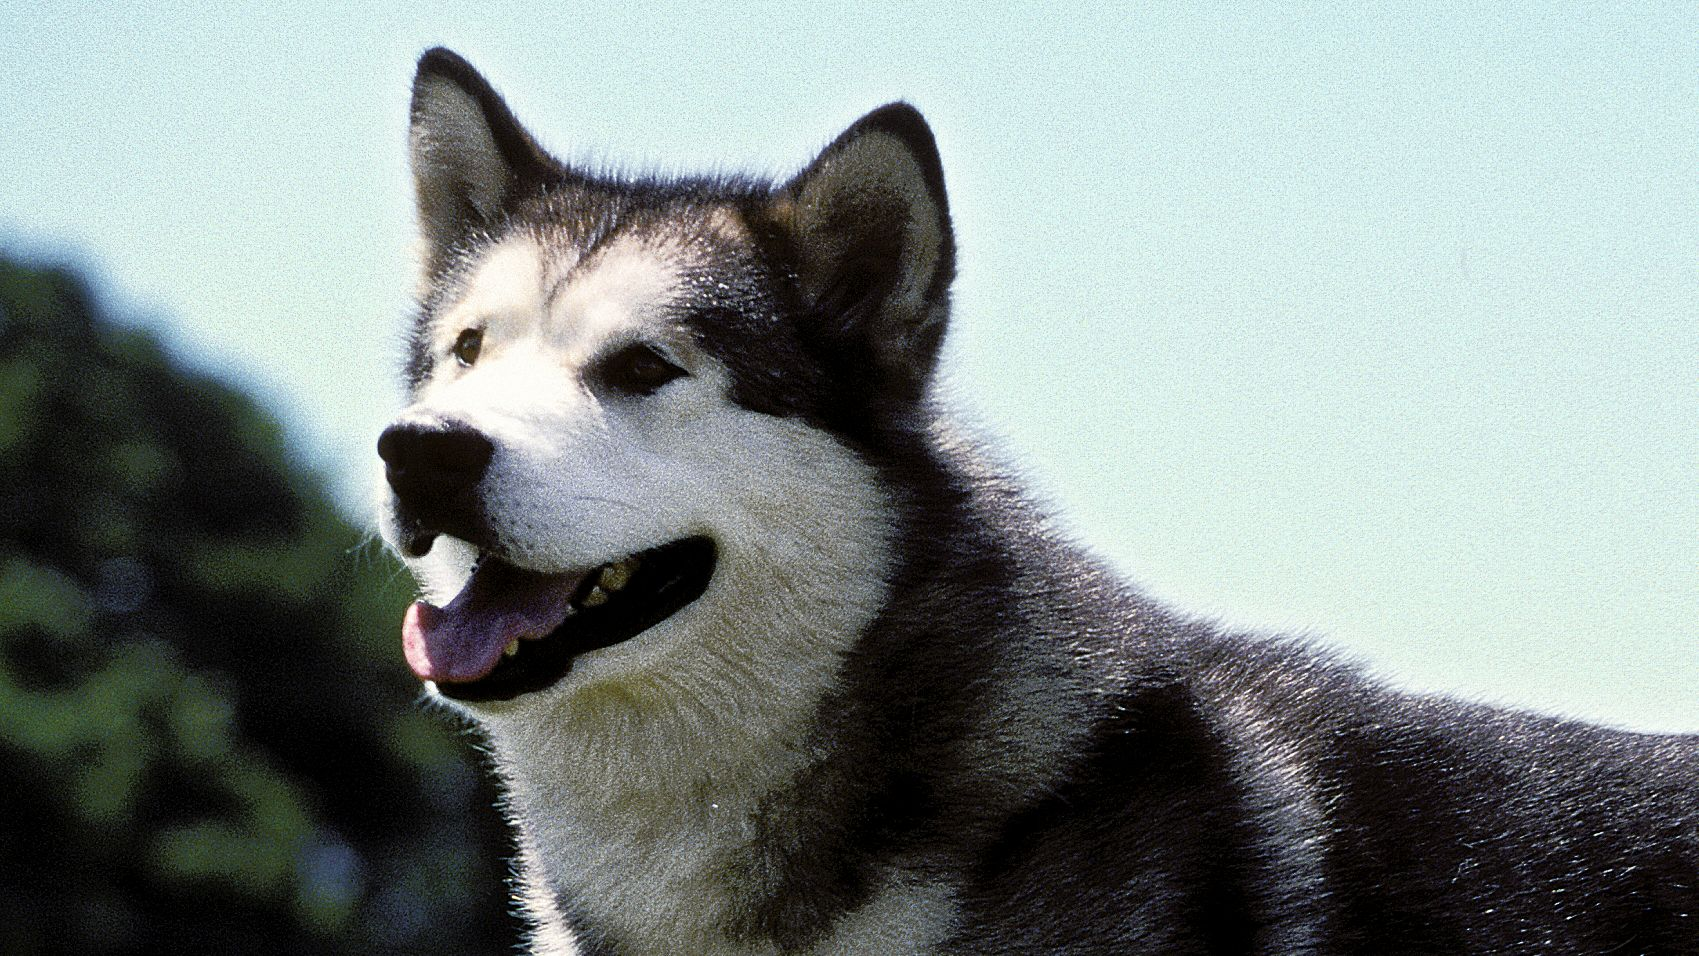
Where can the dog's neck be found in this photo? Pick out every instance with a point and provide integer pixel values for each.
(641, 820)
(659, 870)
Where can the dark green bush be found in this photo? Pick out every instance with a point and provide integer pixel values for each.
(210, 741)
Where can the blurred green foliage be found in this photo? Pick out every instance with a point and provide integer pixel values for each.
(209, 740)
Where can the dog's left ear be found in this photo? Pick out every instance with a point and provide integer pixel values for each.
(869, 228)
(470, 156)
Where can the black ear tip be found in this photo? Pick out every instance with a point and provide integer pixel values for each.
(901, 120)
(904, 123)
(897, 112)
(443, 62)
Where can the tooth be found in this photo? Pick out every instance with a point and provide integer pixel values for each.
(512, 648)
(596, 598)
(618, 574)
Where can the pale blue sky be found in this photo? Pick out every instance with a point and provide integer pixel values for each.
(1376, 320)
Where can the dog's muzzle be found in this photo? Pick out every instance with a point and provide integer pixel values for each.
(435, 469)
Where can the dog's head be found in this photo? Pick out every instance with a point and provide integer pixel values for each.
(646, 416)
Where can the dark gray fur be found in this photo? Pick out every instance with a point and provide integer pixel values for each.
(1231, 793)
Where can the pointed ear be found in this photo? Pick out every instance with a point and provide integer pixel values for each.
(469, 155)
(869, 228)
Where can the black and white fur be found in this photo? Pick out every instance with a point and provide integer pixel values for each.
(907, 716)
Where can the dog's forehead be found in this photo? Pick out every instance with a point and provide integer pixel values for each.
(584, 289)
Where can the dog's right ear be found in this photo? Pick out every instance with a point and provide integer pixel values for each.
(469, 154)
(869, 226)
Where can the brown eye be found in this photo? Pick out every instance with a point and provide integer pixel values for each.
(636, 370)
(468, 345)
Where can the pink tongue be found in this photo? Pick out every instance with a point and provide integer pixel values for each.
(464, 641)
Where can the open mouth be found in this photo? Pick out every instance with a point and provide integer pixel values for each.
(511, 631)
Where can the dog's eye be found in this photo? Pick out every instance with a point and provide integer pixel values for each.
(636, 370)
(467, 346)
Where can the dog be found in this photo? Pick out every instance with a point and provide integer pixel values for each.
(773, 657)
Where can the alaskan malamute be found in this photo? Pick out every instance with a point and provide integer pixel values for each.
(772, 659)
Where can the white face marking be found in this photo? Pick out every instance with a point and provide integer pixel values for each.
(620, 293)
(503, 296)
(574, 480)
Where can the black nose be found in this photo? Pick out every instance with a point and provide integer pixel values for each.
(434, 464)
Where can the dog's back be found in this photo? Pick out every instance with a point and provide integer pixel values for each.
(1236, 793)
(1264, 800)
